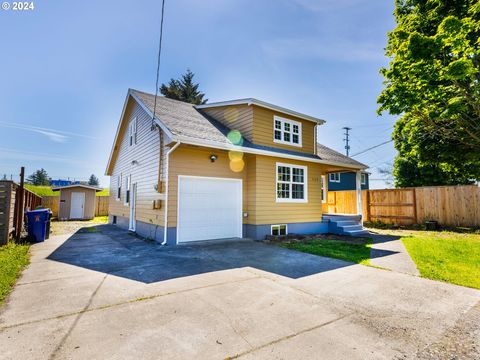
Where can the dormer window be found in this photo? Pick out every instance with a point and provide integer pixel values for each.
(287, 131)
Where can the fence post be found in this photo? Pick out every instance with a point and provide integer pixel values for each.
(414, 192)
(367, 207)
(21, 194)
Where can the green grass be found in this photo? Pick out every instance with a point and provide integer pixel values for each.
(104, 192)
(41, 190)
(47, 190)
(100, 220)
(13, 258)
(446, 256)
(358, 252)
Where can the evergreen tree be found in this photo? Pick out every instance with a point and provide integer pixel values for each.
(93, 180)
(39, 177)
(184, 89)
(433, 84)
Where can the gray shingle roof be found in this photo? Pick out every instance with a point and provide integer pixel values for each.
(327, 154)
(182, 119)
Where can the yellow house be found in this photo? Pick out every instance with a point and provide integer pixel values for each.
(242, 168)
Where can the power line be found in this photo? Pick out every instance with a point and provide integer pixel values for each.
(346, 139)
(370, 148)
(158, 62)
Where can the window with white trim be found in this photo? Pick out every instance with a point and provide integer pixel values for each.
(287, 131)
(291, 183)
(119, 186)
(132, 132)
(363, 179)
(127, 190)
(279, 230)
(323, 186)
(334, 177)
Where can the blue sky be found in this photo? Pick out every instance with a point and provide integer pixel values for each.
(65, 68)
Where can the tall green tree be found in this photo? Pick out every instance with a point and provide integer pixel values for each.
(39, 177)
(184, 89)
(433, 84)
(93, 180)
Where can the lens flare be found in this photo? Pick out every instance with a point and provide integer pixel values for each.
(235, 137)
(235, 155)
(237, 165)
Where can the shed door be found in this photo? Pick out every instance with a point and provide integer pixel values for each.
(209, 208)
(77, 205)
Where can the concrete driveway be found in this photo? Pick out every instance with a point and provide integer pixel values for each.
(104, 294)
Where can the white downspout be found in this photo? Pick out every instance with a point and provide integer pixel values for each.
(167, 165)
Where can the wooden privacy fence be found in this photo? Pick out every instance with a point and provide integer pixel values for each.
(52, 202)
(11, 211)
(449, 205)
(101, 206)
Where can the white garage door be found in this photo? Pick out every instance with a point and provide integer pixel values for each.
(209, 208)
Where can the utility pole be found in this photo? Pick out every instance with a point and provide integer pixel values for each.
(347, 139)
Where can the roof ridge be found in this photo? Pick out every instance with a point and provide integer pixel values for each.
(163, 97)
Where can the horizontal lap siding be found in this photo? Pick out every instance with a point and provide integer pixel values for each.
(259, 185)
(263, 130)
(268, 211)
(195, 161)
(145, 173)
(235, 117)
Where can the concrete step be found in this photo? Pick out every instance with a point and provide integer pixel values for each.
(347, 223)
(357, 233)
(342, 217)
(351, 228)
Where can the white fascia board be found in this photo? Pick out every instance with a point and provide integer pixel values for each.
(147, 110)
(216, 145)
(252, 101)
(58, 188)
(107, 173)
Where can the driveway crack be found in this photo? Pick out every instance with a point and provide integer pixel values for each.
(287, 337)
(77, 319)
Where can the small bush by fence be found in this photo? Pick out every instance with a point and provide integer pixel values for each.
(101, 204)
(449, 205)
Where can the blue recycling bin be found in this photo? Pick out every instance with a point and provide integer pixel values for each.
(37, 224)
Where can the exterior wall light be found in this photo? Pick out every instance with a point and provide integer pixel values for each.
(213, 158)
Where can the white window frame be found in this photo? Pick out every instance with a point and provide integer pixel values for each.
(323, 188)
(118, 195)
(132, 132)
(286, 229)
(291, 123)
(363, 178)
(305, 183)
(333, 180)
(128, 185)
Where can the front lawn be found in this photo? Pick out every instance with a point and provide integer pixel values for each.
(13, 258)
(446, 256)
(356, 250)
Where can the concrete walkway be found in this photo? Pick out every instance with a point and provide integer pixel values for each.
(389, 252)
(105, 294)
